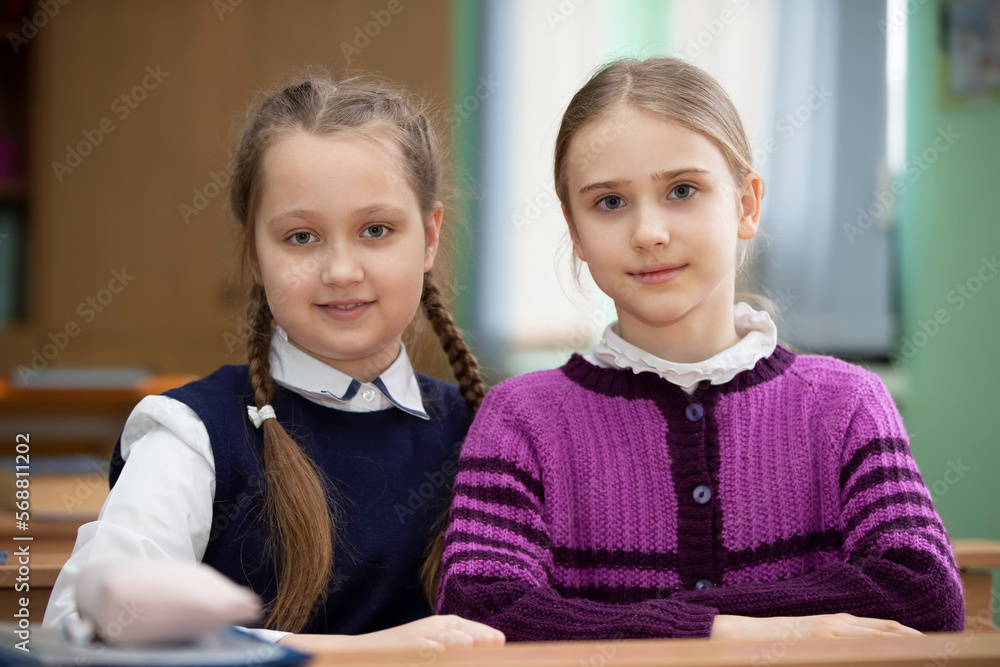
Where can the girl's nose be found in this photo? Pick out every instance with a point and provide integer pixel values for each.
(651, 229)
(339, 267)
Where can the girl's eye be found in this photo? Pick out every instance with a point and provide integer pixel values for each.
(610, 203)
(682, 191)
(375, 231)
(301, 238)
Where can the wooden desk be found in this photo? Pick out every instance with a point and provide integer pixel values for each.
(53, 544)
(975, 557)
(970, 649)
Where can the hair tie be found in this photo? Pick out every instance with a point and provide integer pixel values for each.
(258, 417)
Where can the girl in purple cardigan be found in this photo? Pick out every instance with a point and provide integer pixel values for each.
(688, 477)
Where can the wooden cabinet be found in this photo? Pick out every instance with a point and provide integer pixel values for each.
(133, 109)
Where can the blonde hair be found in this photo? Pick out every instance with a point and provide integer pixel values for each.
(672, 89)
(300, 502)
(675, 91)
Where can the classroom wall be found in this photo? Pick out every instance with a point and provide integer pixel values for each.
(947, 224)
(142, 197)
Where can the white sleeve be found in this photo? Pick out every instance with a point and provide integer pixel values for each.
(161, 506)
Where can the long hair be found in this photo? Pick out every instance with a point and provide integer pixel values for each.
(300, 504)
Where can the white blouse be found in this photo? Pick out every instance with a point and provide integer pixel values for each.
(758, 338)
(150, 515)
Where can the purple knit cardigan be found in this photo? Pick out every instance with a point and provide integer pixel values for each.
(595, 503)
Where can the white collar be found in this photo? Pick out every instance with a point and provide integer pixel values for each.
(322, 384)
(758, 338)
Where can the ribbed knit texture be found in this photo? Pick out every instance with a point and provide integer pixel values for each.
(577, 516)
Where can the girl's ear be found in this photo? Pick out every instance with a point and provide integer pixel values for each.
(432, 234)
(577, 246)
(750, 196)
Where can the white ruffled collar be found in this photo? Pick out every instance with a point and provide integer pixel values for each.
(758, 338)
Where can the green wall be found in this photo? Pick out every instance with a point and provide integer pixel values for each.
(949, 220)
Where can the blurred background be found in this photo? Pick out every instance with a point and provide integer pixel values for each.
(876, 126)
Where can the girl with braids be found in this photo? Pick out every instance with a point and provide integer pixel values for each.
(294, 475)
(688, 477)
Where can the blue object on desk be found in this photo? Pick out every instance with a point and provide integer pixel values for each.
(4, 557)
(227, 647)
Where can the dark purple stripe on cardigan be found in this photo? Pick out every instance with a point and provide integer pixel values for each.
(690, 468)
(797, 546)
(530, 533)
(713, 458)
(465, 537)
(614, 594)
(905, 524)
(498, 495)
(901, 498)
(764, 371)
(792, 547)
(478, 579)
(491, 464)
(913, 559)
(474, 555)
(878, 476)
(623, 382)
(876, 446)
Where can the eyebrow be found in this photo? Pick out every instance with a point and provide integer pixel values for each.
(364, 212)
(668, 175)
(378, 209)
(665, 175)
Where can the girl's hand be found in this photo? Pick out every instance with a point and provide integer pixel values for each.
(434, 632)
(797, 627)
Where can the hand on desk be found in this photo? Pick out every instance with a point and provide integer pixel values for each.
(434, 632)
(823, 625)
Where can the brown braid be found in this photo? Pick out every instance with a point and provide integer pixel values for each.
(466, 369)
(462, 361)
(296, 494)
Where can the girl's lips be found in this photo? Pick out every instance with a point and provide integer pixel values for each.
(656, 274)
(346, 310)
